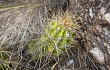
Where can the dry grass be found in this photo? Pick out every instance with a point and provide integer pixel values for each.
(19, 26)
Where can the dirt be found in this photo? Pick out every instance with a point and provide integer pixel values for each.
(94, 32)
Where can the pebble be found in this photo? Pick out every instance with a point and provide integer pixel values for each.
(98, 55)
(69, 62)
(107, 32)
(107, 17)
(99, 28)
(102, 11)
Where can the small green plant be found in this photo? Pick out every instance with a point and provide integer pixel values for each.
(57, 37)
(3, 59)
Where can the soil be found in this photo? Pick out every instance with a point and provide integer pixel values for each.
(94, 33)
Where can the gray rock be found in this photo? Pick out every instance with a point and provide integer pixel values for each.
(98, 55)
(107, 17)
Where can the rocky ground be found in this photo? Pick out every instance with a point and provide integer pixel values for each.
(19, 25)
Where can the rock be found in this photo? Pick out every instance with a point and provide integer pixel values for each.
(102, 11)
(99, 28)
(98, 55)
(106, 31)
(91, 12)
(107, 17)
(57, 5)
(108, 47)
(69, 62)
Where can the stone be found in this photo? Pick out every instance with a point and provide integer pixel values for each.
(98, 55)
(102, 11)
(69, 62)
(107, 17)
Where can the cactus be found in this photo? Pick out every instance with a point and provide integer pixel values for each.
(58, 35)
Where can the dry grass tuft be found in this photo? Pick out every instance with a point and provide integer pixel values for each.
(20, 25)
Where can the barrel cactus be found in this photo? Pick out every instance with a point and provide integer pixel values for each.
(57, 37)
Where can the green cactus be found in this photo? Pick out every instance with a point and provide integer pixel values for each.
(56, 38)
